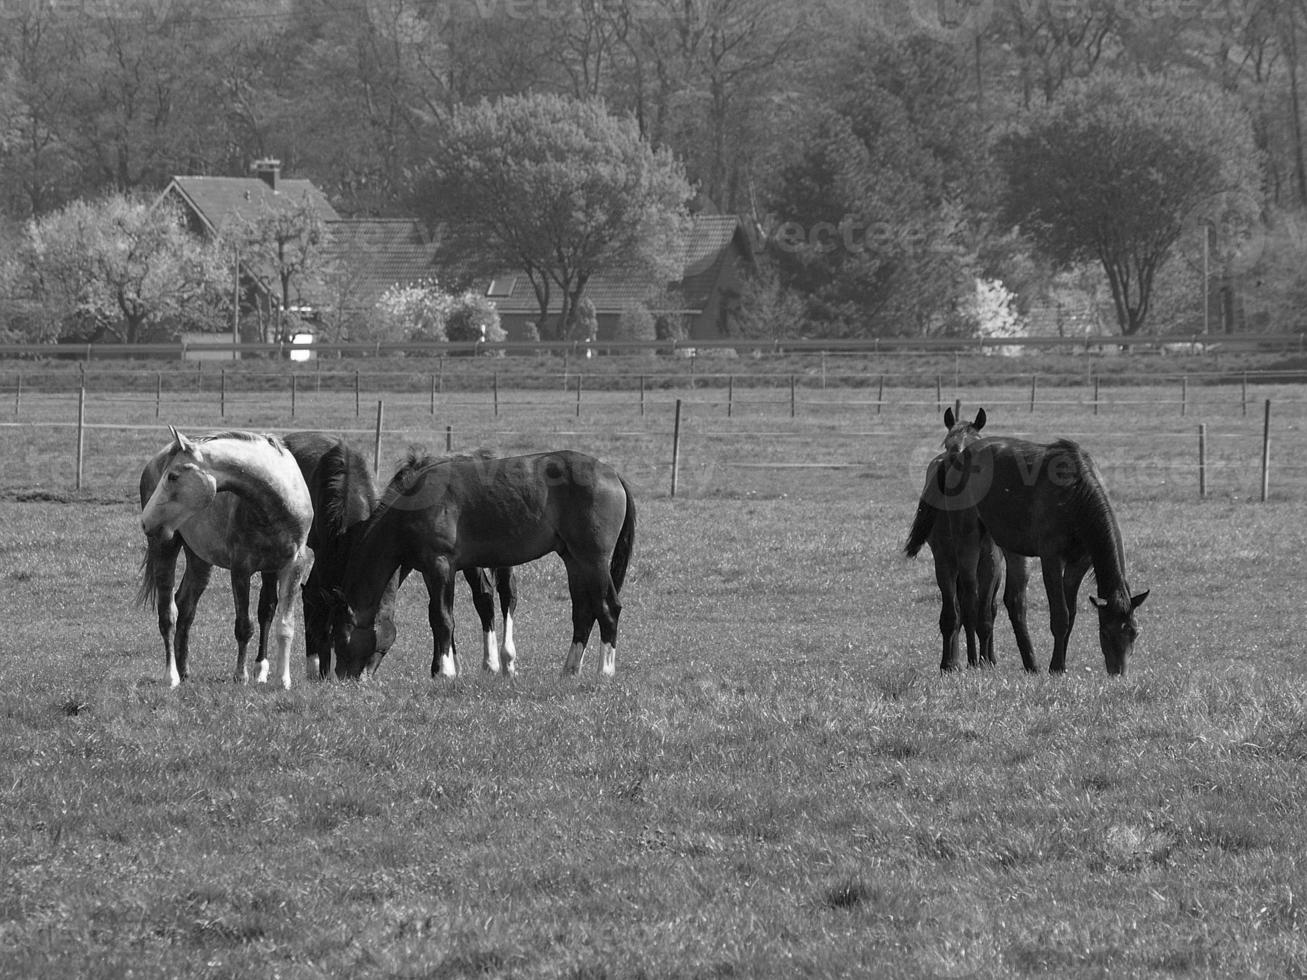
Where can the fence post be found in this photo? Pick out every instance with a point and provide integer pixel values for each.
(81, 432)
(792, 384)
(433, 392)
(1034, 379)
(222, 394)
(376, 444)
(579, 378)
(18, 395)
(730, 395)
(939, 395)
(642, 396)
(294, 392)
(357, 408)
(1244, 402)
(1202, 461)
(1095, 395)
(880, 394)
(449, 438)
(676, 447)
(1184, 396)
(1266, 452)
(158, 391)
(496, 390)
(823, 370)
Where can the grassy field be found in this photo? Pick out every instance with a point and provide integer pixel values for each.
(777, 783)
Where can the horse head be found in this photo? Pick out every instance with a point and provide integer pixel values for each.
(961, 433)
(1117, 630)
(357, 646)
(185, 488)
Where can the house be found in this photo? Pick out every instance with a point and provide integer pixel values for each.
(700, 305)
(364, 256)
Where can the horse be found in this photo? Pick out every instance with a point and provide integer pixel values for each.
(967, 561)
(341, 485)
(1047, 501)
(233, 499)
(440, 516)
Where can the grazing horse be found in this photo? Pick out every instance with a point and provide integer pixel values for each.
(1047, 501)
(440, 516)
(966, 559)
(341, 486)
(236, 500)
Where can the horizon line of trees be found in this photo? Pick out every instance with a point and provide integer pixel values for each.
(870, 147)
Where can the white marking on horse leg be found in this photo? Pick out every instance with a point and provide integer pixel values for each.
(170, 672)
(508, 652)
(575, 655)
(490, 651)
(261, 677)
(312, 669)
(608, 663)
(448, 665)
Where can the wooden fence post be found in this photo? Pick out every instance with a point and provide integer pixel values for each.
(1266, 452)
(730, 395)
(642, 396)
(880, 394)
(158, 392)
(358, 411)
(1202, 461)
(1184, 396)
(1034, 379)
(676, 447)
(222, 395)
(376, 444)
(294, 392)
(18, 395)
(496, 391)
(579, 377)
(792, 385)
(81, 433)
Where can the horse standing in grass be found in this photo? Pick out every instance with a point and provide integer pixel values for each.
(239, 501)
(1048, 502)
(443, 516)
(966, 559)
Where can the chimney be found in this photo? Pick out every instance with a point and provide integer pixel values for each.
(267, 170)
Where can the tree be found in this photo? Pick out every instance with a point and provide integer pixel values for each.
(123, 265)
(1116, 169)
(285, 244)
(559, 189)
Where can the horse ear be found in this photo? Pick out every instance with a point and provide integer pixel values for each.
(179, 441)
(1097, 602)
(1138, 600)
(948, 418)
(980, 420)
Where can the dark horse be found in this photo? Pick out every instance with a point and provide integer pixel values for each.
(967, 561)
(1048, 502)
(440, 516)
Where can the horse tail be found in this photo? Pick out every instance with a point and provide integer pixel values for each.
(147, 593)
(922, 525)
(625, 542)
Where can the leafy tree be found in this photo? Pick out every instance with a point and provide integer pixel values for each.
(124, 265)
(1116, 169)
(559, 189)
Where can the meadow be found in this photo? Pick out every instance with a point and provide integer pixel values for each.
(777, 783)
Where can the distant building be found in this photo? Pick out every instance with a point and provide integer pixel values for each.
(700, 305)
(366, 255)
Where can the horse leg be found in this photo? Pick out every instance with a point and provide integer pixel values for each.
(1059, 618)
(268, 604)
(194, 582)
(987, 579)
(506, 583)
(440, 614)
(162, 564)
(1072, 575)
(1014, 599)
(949, 618)
(478, 580)
(240, 594)
(593, 598)
(287, 580)
(969, 600)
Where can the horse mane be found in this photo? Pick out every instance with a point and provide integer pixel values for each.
(417, 458)
(340, 471)
(1087, 498)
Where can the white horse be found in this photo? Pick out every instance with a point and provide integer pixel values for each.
(236, 500)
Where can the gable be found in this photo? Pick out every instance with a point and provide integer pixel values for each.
(216, 201)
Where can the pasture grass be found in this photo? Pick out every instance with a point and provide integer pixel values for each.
(777, 783)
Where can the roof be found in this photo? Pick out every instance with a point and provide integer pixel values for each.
(379, 253)
(215, 200)
(706, 244)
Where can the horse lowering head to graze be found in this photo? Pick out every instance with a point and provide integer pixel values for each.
(442, 516)
(236, 500)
